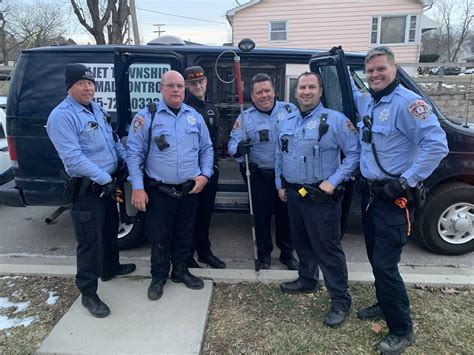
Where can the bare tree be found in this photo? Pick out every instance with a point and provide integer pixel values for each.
(117, 29)
(29, 25)
(101, 16)
(3, 39)
(455, 18)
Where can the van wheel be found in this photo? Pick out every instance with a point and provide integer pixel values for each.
(445, 225)
(131, 233)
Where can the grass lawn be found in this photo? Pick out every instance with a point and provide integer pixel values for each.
(259, 318)
(256, 317)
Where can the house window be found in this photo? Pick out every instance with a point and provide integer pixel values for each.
(412, 34)
(278, 30)
(393, 29)
(374, 31)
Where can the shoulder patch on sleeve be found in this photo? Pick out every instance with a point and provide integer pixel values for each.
(419, 109)
(350, 126)
(236, 126)
(138, 123)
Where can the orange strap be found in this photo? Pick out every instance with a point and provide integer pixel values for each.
(402, 203)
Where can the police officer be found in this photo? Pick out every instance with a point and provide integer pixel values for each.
(401, 144)
(90, 151)
(196, 84)
(171, 142)
(260, 126)
(308, 171)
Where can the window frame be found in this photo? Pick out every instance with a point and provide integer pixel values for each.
(286, 31)
(408, 29)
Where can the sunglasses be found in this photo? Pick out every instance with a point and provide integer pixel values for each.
(383, 49)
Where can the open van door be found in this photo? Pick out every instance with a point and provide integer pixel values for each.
(337, 95)
(138, 75)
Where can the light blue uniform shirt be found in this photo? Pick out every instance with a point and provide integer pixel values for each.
(406, 133)
(84, 141)
(263, 152)
(189, 154)
(304, 160)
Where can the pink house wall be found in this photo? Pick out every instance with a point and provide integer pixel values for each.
(322, 24)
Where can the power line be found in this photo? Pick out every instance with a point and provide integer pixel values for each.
(189, 18)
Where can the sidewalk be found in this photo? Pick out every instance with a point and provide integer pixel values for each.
(176, 323)
(136, 325)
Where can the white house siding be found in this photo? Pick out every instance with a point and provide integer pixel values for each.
(324, 23)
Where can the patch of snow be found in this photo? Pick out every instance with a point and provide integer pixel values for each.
(7, 323)
(9, 277)
(53, 298)
(20, 306)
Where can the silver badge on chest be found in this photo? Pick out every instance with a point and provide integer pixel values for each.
(191, 120)
(384, 115)
(311, 125)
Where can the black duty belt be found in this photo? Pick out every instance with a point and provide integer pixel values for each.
(172, 190)
(314, 193)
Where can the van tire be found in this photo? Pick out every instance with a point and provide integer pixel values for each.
(131, 236)
(447, 214)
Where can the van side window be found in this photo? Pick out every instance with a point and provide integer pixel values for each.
(332, 93)
(359, 77)
(144, 84)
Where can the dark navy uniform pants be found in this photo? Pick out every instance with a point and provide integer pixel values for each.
(170, 225)
(316, 233)
(385, 229)
(95, 222)
(266, 203)
(206, 198)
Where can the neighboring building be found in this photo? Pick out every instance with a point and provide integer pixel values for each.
(357, 25)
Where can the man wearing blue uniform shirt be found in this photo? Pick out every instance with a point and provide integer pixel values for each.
(260, 123)
(308, 171)
(196, 84)
(401, 144)
(90, 151)
(170, 159)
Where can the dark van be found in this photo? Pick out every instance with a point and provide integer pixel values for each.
(128, 77)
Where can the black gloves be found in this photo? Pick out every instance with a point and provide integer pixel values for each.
(392, 190)
(122, 173)
(113, 191)
(109, 189)
(243, 148)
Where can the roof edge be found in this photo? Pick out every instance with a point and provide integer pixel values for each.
(232, 12)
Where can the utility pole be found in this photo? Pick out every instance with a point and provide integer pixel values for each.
(133, 15)
(159, 31)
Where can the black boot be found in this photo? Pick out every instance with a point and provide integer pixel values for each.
(395, 344)
(124, 269)
(155, 290)
(192, 264)
(289, 261)
(373, 312)
(212, 260)
(181, 273)
(300, 285)
(95, 306)
(335, 317)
